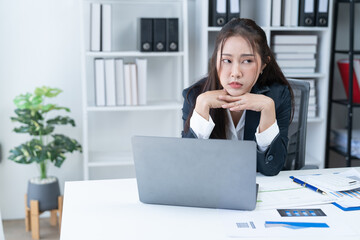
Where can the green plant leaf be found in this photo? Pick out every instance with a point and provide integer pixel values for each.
(22, 129)
(50, 107)
(47, 92)
(61, 145)
(29, 152)
(28, 101)
(59, 120)
(32, 121)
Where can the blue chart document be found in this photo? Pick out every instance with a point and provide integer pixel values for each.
(296, 225)
(301, 212)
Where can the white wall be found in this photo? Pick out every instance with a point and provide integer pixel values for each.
(39, 45)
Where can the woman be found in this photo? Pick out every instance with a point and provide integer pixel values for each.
(245, 96)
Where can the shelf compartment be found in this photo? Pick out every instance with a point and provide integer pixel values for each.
(151, 106)
(305, 75)
(110, 158)
(109, 164)
(133, 54)
(161, 86)
(342, 153)
(125, 21)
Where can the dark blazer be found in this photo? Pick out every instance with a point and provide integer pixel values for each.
(271, 161)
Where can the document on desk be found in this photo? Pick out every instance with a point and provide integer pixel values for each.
(284, 194)
(344, 186)
(262, 223)
(336, 181)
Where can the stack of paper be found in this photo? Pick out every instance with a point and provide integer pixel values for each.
(312, 107)
(287, 194)
(344, 186)
(295, 53)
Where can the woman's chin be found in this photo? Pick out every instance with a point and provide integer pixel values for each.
(235, 93)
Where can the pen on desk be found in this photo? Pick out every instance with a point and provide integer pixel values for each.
(304, 184)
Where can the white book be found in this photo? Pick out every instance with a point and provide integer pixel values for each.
(110, 86)
(295, 39)
(106, 28)
(297, 63)
(297, 70)
(99, 82)
(294, 48)
(134, 85)
(294, 13)
(287, 12)
(95, 15)
(141, 65)
(276, 13)
(120, 82)
(281, 56)
(127, 78)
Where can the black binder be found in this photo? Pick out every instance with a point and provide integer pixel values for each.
(146, 34)
(217, 12)
(159, 32)
(233, 9)
(322, 13)
(307, 13)
(172, 34)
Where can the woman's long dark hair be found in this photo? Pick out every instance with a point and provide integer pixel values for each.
(272, 73)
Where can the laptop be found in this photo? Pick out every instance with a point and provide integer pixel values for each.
(210, 173)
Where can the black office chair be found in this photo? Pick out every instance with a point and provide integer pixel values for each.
(297, 129)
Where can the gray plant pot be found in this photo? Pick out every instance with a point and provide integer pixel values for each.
(46, 193)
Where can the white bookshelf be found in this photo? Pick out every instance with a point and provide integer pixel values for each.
(107, 131)
(260, 11)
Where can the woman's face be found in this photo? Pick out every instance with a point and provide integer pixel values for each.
(238, 66)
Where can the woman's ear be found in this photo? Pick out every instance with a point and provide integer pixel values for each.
(264, 65)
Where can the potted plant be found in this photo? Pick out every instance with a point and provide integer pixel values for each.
(44, 147)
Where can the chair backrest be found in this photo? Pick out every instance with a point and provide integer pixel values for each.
(297, 129)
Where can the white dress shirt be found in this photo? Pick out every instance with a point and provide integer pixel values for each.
(203, 128)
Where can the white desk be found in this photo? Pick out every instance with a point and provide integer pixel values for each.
(110, 209)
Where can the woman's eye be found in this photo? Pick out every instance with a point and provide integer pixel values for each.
(247, 61)
(226, 61)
